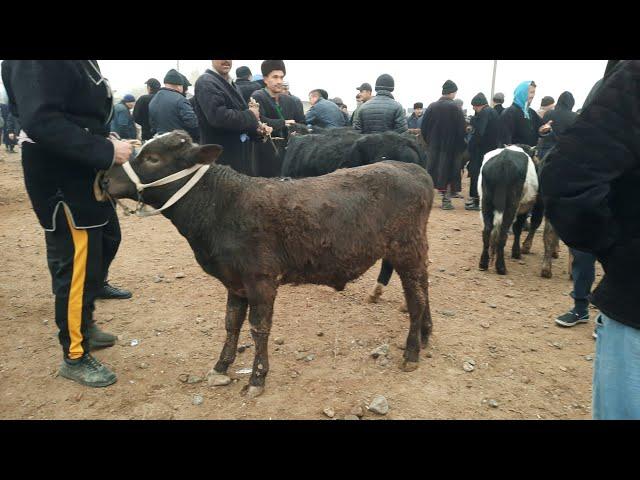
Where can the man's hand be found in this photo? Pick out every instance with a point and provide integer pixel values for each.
(289, 122)
(264, 129)
(255, 108)
(123, 150)
(12, 136)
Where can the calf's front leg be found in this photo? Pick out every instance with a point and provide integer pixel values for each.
(234, 318)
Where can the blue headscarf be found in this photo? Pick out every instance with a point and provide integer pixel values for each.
(520, 97)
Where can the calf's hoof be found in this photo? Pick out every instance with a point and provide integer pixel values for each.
(251, 391)
(376, 293)
(516, 255)
(501, 270)
(546, 273)
(483, 265)
(408, 366)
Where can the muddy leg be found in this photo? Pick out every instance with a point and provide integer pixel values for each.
(426, 325)
(234, 318)
(536, 219)
(517, 231)
(261, 299)
(415, 296)
(487, 216)
(501, 241)
(549, 237)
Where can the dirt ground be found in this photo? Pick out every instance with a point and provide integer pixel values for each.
(525, 366)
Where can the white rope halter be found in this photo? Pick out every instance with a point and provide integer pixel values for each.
(143, 210)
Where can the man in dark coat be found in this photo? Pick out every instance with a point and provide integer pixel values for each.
(560, 118)
(141, 109)
(498, 100)
(382, 113)
(323, 113)
(519, 124)
(65, 108)
(122, 122)
(277, 111)
(414, 121)
(589, 185)
(170, 110)
(225, 118)
(443, 130)
(484, 138)
(245, 83)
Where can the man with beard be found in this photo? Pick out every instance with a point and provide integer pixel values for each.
(443, 130)
(225, 118)
(141, 109)
(484, 138)
(277, 111)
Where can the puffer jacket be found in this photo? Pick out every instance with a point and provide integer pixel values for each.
(325, 114)
(381, 114)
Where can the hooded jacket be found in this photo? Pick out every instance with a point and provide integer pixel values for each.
(562, 117)
(589, 186)
(381, 114)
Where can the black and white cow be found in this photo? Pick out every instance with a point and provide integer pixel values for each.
(508, 187)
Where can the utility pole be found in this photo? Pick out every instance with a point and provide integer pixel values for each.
(493, 80)
(178, 65)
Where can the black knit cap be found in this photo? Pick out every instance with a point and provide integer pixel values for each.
(153, 83)
(185, 81)
(449, 87)
(546, 101)
(243, 73)
(385, 82)
(418, 105)
(479, 100)
(173, 77)
(269, 66)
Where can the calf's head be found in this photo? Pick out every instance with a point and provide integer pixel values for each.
(158, 158)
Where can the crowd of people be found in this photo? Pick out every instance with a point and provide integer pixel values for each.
(591, 164)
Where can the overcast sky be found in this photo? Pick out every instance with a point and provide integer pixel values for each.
(415, 80)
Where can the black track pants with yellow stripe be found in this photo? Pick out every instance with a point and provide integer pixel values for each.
(75, 259)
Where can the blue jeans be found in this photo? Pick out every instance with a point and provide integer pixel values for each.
(616, 371)
(583, 271)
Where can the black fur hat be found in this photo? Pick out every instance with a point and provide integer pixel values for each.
(449, 87)
(269, 66)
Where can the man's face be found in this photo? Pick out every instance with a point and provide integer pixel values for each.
(223, 67)
(532, 93)
(418, 112)
(148, 89)
(365, 95)
(477, 108)
(313, 98)
(274, 81)
(130, 105)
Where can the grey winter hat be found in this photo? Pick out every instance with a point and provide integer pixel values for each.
(449, 87)
(173, 77)
(479, 100)
(498, 97)
(385, 82)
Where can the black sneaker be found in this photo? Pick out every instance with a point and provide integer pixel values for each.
(472, 206)
(87, 371)
(109, 292)
(571, 318)
(447, 205)
(98, 338)
(595, 334)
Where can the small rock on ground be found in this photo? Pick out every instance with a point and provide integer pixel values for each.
(493, 403)
(380, 351)
(218, 380)
(179, 275)
(197, 400)
(329, 412)
(379, 405)
(467, 367)
(279, 341)
(351, 417)
(357, 411)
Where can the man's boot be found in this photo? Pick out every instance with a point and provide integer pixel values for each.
(109, 292)
(87, 371)
(98, 338)
(473, 204)
(376, 294)
(446, 203)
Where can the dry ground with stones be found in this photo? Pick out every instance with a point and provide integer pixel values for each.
(495, 352)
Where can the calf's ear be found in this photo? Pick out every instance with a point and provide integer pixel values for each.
(205, 154)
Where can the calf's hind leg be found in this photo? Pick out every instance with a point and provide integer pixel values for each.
(550, 242)
(234, 318)
(537, 213)
(426, 325)
(413, 280)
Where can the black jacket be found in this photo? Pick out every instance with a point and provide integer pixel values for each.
(247, 87)
(484, 137)
(270, 115)
(65, 107)
(514, 128)
(562, 117)
(170, 110)
(224, 119)
(589, 183)
(443, 130)
(381, 114)
(141, 115)
(499, 108)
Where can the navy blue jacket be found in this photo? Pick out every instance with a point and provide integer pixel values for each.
(170, 110)
(325, 114)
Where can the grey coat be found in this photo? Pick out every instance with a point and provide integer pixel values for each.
(381, 114)
(170, 110)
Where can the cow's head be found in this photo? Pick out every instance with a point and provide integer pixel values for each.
(158, 158)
